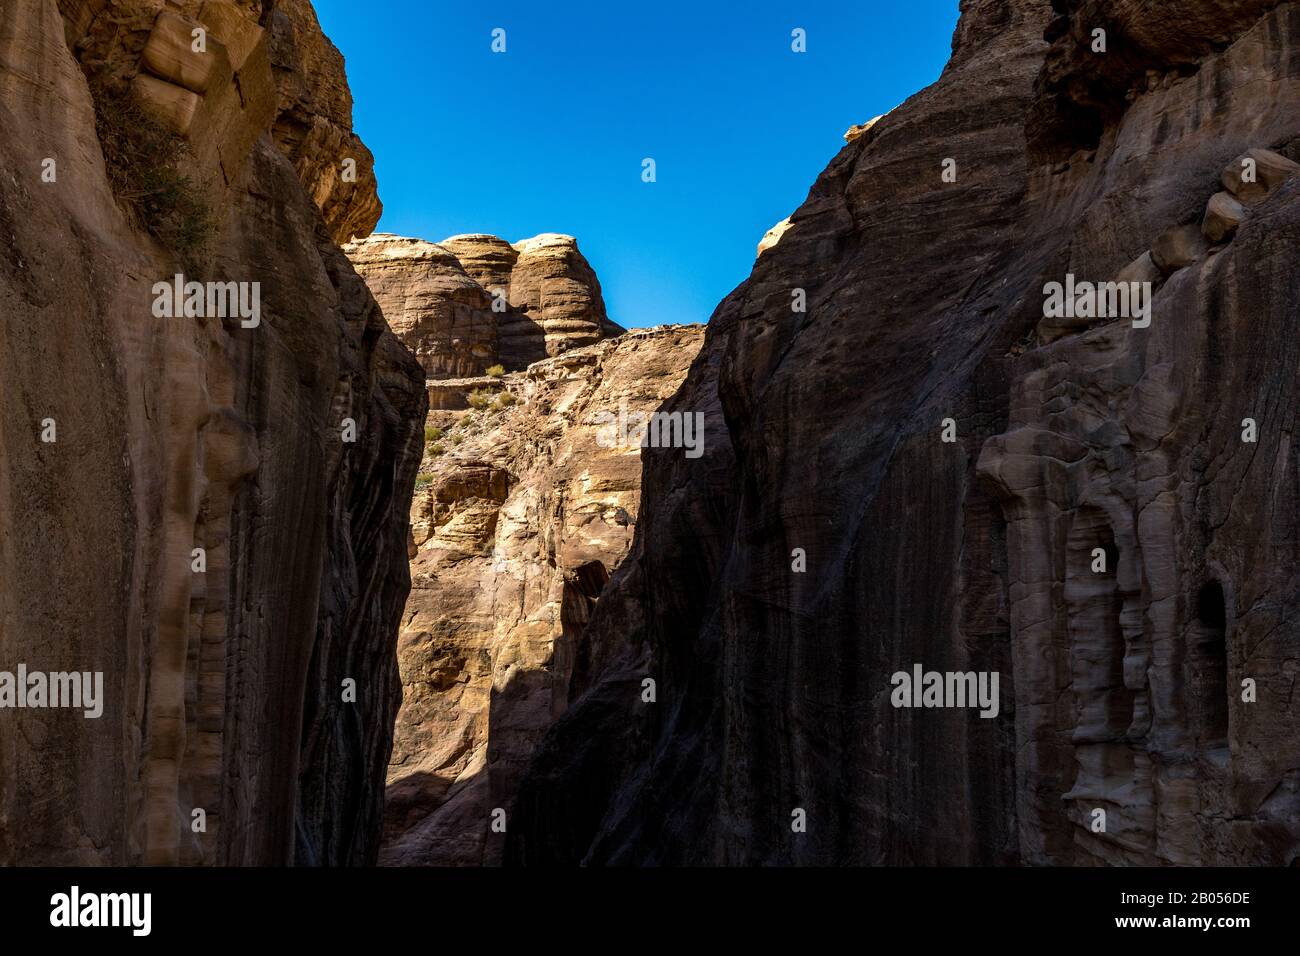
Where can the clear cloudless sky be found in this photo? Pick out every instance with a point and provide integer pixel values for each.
(550, 135)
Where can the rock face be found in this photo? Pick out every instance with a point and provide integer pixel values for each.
(474, 301)
(208, 510)
(521, 513)
(313, 125)
(439, 312)
(525, 507)
(1113, 528)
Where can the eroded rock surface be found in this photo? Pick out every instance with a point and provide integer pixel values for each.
(525, 507)
(1121, 688)
(520, 516)
(313, 126)
(474, 301)
(199, 531)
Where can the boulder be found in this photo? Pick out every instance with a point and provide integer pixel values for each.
(859, 129)
(170, 54)
(442, 298)
(433, 306)
(773, 235)
(1270, 170)
(174, 106)
(1223, 215)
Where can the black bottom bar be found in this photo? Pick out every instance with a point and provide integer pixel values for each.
(438, 908)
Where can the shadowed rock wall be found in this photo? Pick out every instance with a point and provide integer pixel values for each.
(1121, 689)
(223, 679)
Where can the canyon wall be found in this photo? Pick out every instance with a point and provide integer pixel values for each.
(208, 508)
(922, 469)
(617, 654)
(524, 509)
(526, 502)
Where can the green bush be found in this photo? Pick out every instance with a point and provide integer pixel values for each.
(496, 371)
(504, 400)
(423, 481)
(479, 399)
(432, 433)
(144, 161)
(435, 450)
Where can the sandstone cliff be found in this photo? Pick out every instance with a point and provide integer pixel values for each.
(211, 512)
(523, 508)
(1126, 689)
(474, 301)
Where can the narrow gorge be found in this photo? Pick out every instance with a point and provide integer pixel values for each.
(380, 571)
(523, 509)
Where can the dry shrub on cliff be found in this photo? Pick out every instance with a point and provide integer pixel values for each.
(144, 161)
(479, 399)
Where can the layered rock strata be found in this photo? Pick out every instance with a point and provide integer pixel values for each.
(474, 301)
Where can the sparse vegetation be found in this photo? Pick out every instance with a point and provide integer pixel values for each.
(144, 161)
(423, 481)
(432, 433)
(496, 371)
(479, 399)
(504, 400)
(435, 450)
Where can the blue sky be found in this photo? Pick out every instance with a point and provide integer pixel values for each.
(550, 135)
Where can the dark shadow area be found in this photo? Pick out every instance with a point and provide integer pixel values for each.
(1207, 663)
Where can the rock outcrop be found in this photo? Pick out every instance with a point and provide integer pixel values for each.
(526, 504)
(772, 236)
(440, 313)
(916, 471)
(209, 507)
(313, 125)
(474, 301)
